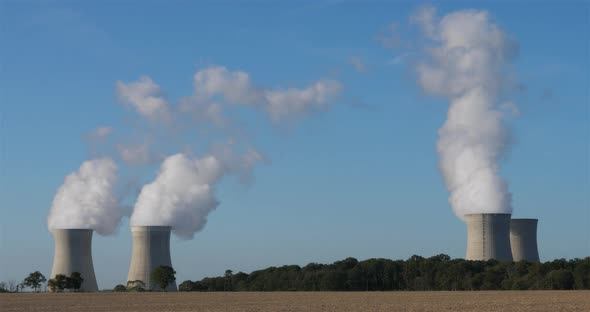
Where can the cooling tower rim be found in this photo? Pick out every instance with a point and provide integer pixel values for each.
(71, 229)
(150, 228)
(524, 219)
(487, 214)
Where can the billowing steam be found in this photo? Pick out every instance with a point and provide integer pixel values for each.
(183, 193)
(86, 200)
(468, 66)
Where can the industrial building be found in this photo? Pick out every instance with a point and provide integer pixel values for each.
(488, 236)
(151, 248)
(523, 240)
(73, 253)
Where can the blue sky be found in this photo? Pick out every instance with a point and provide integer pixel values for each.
(359, 179)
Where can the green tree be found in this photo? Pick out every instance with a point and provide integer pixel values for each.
(34, 280)
(439, 272)
(137, 286)
(74, 281)
(227, 285)
(560, 279)
(186, 286)
(582, 274)
(52, 285)
(163, 276)
(58, 283)
(120, 288)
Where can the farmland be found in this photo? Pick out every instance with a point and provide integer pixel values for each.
(301, 301)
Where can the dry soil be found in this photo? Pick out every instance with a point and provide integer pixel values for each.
(302, 301)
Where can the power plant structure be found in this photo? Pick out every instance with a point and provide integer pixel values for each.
(73, 253)
(523, 240)
(151, 248)
(488, 236)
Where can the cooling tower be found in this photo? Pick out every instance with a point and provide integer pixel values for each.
(73, 253)
(523, 239)
(151, 248)
(488, 236)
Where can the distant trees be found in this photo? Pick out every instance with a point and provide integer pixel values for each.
(439, 272)
(12, 285)
(186, 286)
(192, 286)
(74, 282)
(58, 283)
(582, 274)
(227, 285)
(162, 276)
(34, 280)
(561, 279)
(137, 286)
(62, 282)
(120, 288)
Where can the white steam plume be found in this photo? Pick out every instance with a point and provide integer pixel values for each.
(100, 133)
(183, 193)
(136, 154)
(236, 87)
(216, 86)
(145, 97)
(87, 200)
(468, 66)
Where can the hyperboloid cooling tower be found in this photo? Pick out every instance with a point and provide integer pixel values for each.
(73, 253)
(523, 240)
(488, 236)
(151, 248)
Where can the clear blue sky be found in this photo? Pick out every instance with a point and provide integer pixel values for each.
(359, 180)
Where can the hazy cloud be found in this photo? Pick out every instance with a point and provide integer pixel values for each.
(281, 104)
(358, 64)
(236, 87)
(99, 133)
(425, 18)
(145, 97)
(136, 154)
(399, 59)
(390, 37)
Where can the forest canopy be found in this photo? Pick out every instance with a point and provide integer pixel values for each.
(439, 272)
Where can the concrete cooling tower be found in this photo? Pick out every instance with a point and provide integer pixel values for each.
(488, 237)
(523, 240)
(73, 253)
(151, 248)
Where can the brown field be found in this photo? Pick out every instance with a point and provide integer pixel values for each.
(302, 301)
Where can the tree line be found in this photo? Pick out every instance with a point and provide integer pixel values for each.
(417, 273)
(35, 281)
(439, 272)
(62, 282)
(161, 277)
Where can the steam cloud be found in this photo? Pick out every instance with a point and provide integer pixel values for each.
(468, 66)
(86, 200)
(237, 87)
(145, 97)
(183, 193)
